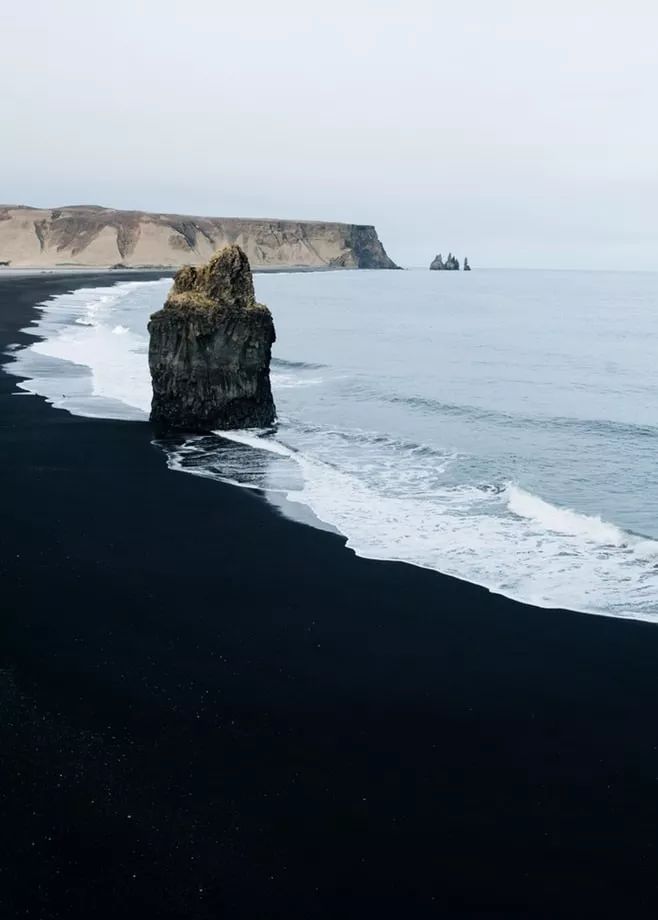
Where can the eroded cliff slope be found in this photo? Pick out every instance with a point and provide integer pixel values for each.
(92, 236)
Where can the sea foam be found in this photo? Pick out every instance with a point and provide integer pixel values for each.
(83, 361)
(498, 536)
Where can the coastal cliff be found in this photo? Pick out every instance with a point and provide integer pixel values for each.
(210, 348)
(90, 236)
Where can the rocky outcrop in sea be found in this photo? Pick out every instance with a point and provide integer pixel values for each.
(451, 264)
(210, 348)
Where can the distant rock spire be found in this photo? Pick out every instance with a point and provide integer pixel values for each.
(467, 267)
(451, 264)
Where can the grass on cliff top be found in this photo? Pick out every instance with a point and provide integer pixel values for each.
(190, 299)
(195, 300)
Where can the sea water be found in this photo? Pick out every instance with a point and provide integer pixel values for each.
(499, 426)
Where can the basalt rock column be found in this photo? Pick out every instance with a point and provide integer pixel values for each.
(210, 348)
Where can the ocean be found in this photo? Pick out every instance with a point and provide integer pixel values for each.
(498, 426)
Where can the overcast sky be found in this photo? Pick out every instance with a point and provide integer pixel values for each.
(517, 133)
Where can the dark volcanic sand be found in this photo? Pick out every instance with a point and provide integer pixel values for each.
(209, 711)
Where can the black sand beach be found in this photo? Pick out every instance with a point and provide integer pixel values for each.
(207, 710)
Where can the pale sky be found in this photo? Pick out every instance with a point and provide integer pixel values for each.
(517, 133)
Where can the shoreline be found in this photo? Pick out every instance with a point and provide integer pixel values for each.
(235, 715)
(304, 513)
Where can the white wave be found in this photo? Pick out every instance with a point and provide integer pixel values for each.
(78, 328)
(505, 539)
(119, 371)
(290, 380)
(253, 437)
(564, 520)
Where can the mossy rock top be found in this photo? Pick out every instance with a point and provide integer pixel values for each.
(189, 300)
(224, 281)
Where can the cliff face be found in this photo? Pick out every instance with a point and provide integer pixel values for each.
(102, 237)
(209, 350)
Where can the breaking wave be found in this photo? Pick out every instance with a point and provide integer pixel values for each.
(497, 535)
(297, 365)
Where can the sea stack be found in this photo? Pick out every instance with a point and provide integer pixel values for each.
(467, 267)
(451, 264)
(210, 348)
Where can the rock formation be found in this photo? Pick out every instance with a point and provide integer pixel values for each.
(102, 237)
(467, 267)
(451, 264)
(209, 349)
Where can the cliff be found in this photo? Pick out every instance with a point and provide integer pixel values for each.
(101, 237)
(209, 349)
